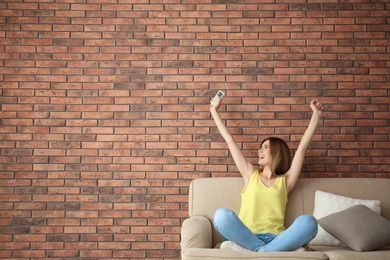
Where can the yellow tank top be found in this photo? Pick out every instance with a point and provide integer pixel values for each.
(262, 208)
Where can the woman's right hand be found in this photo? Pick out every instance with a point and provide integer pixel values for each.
(216, 105)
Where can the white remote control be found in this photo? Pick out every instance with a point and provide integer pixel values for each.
(219, 95)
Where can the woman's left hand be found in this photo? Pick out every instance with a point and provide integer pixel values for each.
(317, 107)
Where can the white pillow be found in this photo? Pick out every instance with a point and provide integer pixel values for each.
(327, 203)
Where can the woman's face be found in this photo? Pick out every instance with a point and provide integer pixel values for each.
(265, 154)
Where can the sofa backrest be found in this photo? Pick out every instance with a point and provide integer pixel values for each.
(206, 195)
(358, 188)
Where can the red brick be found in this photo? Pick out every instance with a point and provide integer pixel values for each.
(29, 253)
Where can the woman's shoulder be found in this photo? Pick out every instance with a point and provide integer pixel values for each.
(281, 178)
(255, 175)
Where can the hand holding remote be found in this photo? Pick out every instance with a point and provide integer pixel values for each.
(218, 96)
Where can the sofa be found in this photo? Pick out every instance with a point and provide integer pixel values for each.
(199, 239)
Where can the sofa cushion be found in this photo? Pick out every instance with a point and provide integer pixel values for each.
(358, 227)
(343, 253)
(326, 203)
(218, 254)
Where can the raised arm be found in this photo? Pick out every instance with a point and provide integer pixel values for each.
(293, 173)
(246, 168)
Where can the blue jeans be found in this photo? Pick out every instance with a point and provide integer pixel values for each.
(230, 227)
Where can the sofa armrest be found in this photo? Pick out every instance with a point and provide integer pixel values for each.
(196, 232)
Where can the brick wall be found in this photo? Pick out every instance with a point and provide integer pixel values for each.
(104, 110)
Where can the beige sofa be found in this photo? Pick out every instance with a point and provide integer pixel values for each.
(199, 239)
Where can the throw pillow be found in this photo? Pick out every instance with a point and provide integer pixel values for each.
(358, 227)
(326, 203)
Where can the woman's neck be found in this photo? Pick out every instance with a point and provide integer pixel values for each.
(267, 173)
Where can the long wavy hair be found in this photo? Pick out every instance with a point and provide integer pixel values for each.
(281, 157)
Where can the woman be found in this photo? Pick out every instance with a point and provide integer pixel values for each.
(260, 224)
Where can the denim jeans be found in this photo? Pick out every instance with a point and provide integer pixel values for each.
(230, 227)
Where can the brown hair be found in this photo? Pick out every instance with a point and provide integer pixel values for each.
(281, 157)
